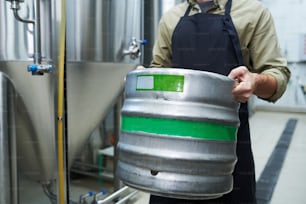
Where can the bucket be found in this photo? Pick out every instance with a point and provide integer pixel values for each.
(178, 133)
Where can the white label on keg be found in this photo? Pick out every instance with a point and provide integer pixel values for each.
(145, 82)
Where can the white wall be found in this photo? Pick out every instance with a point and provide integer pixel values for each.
(290, 23)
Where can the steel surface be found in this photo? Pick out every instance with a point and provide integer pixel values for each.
(178, 133)
(97, 33)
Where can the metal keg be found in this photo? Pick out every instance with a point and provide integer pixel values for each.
(178, 133)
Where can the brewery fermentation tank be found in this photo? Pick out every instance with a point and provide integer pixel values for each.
(99, 36)
(178, 133)
(104, 44)
(8, 159)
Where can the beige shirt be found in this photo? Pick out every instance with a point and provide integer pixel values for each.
(255, 27)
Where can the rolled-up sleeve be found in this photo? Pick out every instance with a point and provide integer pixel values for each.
(266, 55)
(282, 76)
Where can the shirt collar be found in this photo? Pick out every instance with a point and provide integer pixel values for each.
(220, 4)
(193, 2)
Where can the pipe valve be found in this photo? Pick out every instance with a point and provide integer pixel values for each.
(37, 68)
(40, 69)
(82, 199)
(134, 48)
(15, 4)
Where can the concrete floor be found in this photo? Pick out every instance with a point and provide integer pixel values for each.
(266, 128)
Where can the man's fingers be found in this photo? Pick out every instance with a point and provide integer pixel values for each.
(238, 72)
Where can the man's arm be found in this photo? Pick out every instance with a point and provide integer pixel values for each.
(162, 47)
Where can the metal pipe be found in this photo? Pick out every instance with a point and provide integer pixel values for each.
(8, 156)
(126, 198)
(16, 14)
(113, 196)
(117, 118)
(36, 26)
(37, 68)
(37, 34)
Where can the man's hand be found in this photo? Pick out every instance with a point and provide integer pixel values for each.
(247, 83)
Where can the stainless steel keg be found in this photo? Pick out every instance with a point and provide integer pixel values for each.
(178, 133)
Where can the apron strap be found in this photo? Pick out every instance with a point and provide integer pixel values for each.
(228, 7)
(187, 11)
(232, 32)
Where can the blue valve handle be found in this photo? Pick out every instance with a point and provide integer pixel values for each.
(143, 42)
(32, 68)
(40, 68)
(104, 191)
(87, 195)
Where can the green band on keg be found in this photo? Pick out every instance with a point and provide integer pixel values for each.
(172, 127)
(160, 82)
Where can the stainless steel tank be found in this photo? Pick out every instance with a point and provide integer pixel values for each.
(99, 34)
(178, 133)
(8, 159)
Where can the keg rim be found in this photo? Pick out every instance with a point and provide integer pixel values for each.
(155, 70)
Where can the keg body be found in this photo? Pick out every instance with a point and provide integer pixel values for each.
(178, 133)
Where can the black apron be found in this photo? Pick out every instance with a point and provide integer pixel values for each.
(209, 42)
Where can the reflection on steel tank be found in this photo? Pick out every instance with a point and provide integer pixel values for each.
(103, 43)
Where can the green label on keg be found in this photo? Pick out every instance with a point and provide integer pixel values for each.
(173, 127)
(160, 82)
